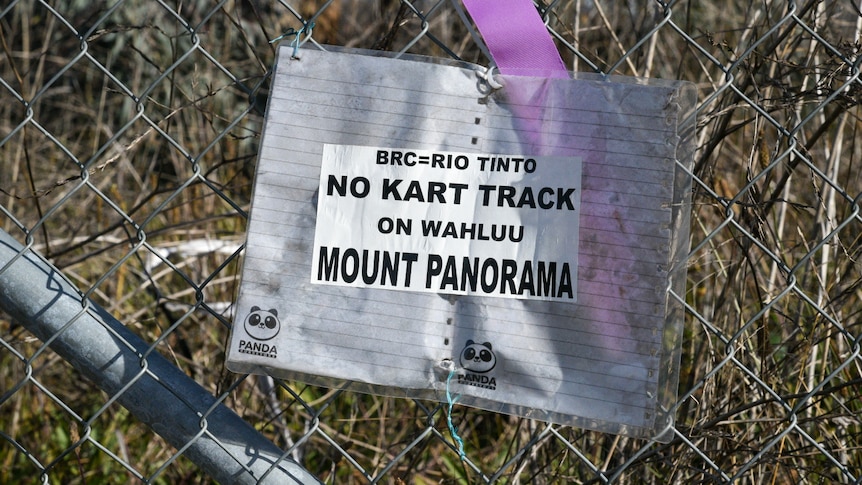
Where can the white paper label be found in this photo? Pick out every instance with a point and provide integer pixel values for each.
(448, 222)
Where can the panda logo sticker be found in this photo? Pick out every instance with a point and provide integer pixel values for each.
(262, 326)
(478, 357)
(477, 360)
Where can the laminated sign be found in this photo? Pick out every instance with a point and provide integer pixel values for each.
(416, 224)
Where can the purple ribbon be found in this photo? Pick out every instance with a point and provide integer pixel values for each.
(517, 37)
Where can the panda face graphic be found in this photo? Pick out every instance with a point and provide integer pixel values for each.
(262, 324)
(478, 357)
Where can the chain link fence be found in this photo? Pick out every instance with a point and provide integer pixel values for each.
(128, 138)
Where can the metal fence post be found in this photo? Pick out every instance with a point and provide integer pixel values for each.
(159, 394)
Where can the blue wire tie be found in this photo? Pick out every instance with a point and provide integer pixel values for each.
(452, 429)
(297, 34)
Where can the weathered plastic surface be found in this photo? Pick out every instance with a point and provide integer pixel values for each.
(607, 360)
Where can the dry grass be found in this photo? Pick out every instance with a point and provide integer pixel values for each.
(778, 148)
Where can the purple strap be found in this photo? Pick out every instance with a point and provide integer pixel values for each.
(517, 37)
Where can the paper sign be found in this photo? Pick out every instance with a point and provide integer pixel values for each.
(599, 200)
(448, 222)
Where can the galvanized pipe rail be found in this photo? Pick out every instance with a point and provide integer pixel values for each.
(37, 296)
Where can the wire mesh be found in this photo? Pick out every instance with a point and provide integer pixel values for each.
(128, 138)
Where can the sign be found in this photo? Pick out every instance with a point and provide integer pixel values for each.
(448, 222)
(409, 219)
